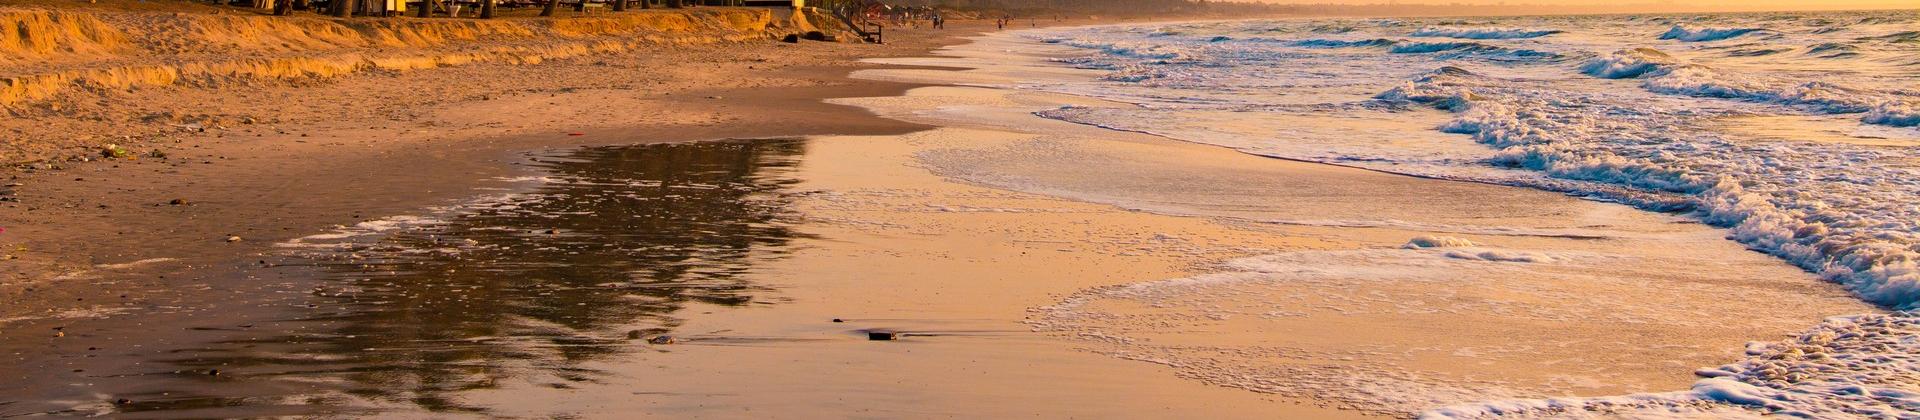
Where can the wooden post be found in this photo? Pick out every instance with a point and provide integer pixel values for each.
(426, 8)
(551, 5)
(486, 8)
(283, 8)
(341, 8)
(646, 4)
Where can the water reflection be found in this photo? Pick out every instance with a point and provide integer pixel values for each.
(526, 286)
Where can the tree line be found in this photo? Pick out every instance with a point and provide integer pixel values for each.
(426, 8)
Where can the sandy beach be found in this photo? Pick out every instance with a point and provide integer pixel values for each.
(717, 227)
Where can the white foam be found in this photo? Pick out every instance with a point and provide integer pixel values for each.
(1861, 366)
(1625, 64)
(1893, 113)
(1436, 242)
(366, 228)
(1847, 212)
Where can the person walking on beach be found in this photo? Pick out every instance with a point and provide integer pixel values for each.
(939, 22)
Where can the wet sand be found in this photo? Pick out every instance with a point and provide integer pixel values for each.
(107, 277)
(992, 239)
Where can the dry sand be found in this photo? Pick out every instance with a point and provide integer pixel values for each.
(959, 217)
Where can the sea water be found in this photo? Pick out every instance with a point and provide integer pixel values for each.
(1795, 131)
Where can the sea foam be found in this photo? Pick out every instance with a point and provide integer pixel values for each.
(1845, 212)
(1897, 114)
(1627, 63)
(1847, 367)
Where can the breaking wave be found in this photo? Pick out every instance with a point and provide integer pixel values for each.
(1434, 47)
(1334, 43)
(1693, 34)
(1844, 211)
(1625, 64)
(1702, 81)
(1895, 114)
(1833, 50)
(1897, 37)
(1797, 225)
(1664, 74)
(1483, 33)
(1848, 367)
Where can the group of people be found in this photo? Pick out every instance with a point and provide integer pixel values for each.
(1003, 22)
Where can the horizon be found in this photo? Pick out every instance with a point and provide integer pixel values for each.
(1590, 6)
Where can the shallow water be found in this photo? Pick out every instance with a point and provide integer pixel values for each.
(1658, 111)
(1794, 131)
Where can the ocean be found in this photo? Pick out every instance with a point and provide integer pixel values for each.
(1798, 133)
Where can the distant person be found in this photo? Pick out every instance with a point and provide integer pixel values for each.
(939, 22)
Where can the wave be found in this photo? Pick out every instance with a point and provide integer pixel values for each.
(1666, 75)
(1897, 114)
(1472, 48)
(1437, 88)
(1626, 64)
(1484, 33)
(1847, 367)
(1108, 48)
(1897, 37)
(1702, 81)
(1844, 212)
(1851, 249)
(1332, 29)
(1694, 34)
(1335, 43)
(1755, 52)
(1434, 47)
(1832, 50)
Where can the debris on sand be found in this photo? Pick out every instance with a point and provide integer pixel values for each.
(115, 151)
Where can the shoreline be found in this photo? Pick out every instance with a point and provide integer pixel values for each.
(341, 156)
(1630, 237)
(957, 189)
(87, 253)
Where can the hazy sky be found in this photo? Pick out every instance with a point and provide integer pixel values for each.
(1685, 4)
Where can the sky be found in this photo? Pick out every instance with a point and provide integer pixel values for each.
(1676, 4)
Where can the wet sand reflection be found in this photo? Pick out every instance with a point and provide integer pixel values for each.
(524, 288)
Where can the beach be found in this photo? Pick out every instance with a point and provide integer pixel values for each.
(735, 227)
